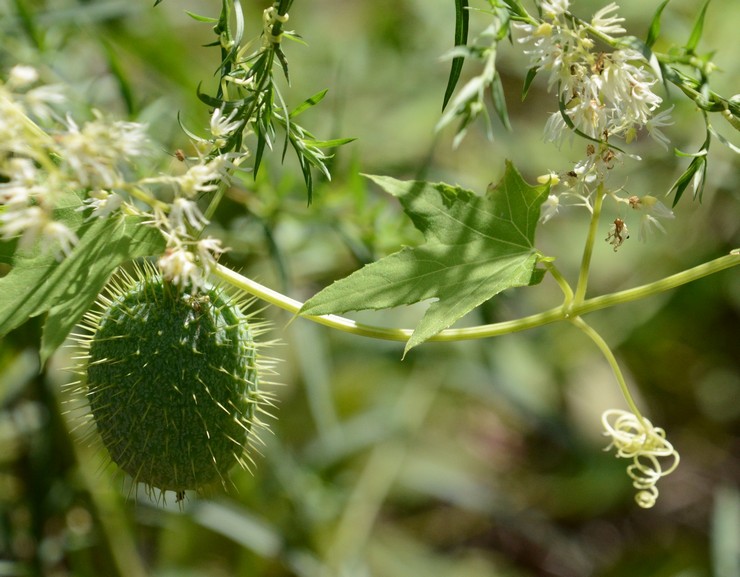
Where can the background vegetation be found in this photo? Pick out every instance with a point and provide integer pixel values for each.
(470, 459)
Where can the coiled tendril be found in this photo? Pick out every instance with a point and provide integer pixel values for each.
(636, 438)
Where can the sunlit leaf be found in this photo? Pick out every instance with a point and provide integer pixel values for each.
(476, 247)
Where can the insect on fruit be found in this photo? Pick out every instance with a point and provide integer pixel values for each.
(172, 380)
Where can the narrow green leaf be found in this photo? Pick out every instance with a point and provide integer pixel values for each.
(698, 163)
(531, 73)
(499, 101)
(199, 18)
(475, 247)
(462, 19)
(308, 103)
(333, 143)
(724, 141)
(654, 30)
(697, 30)
(515, 8)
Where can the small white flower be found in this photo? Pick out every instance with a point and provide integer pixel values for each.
(652, 209)
(555, 8)
(209, 249)
(39, 100)
(186, 212)
(59, 238)
(657, 122)
(550, 178)
(178, 266)
(589, 116)
(103, 203)
(199, 178)
(549, 208)
(97, 150)
(608, 24)
(28, 221)
(22, 184)
(556, 130)
(224, 126)
(21, 76)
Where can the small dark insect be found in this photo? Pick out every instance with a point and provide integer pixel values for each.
(180, 155)
(608, 156)
(617, 234)
(197, 302)
(179, 496)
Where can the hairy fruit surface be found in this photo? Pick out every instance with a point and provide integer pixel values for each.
(172, 381)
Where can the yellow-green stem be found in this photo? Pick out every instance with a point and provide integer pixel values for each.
(612, 360)
(588, 249)
(483, 331)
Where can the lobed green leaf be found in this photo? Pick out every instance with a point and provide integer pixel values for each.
(476, 247)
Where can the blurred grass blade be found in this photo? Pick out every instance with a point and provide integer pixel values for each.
(725, 529)
(462, 20)
(124, 85)
(26, 16)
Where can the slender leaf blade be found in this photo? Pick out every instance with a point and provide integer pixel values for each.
(308, 103)
(654, 30)
(698, 29)
(462, 21)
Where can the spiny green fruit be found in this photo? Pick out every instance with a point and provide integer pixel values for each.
(172, 380)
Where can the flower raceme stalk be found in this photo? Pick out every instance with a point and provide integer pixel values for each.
(602, 96)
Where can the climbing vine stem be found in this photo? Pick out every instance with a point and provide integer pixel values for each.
(558, 313)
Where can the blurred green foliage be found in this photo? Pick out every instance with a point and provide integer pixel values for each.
(468, 459)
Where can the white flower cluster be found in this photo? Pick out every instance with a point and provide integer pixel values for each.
(605, 94)
(637, 439)
(602, 95)
(39, 167)
(32, 182)
(189, 259)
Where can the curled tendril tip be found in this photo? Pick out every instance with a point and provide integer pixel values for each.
(637, 439)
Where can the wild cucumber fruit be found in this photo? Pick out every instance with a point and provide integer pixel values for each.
(172, 380)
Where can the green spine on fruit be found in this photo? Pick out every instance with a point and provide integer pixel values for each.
(172, 381)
